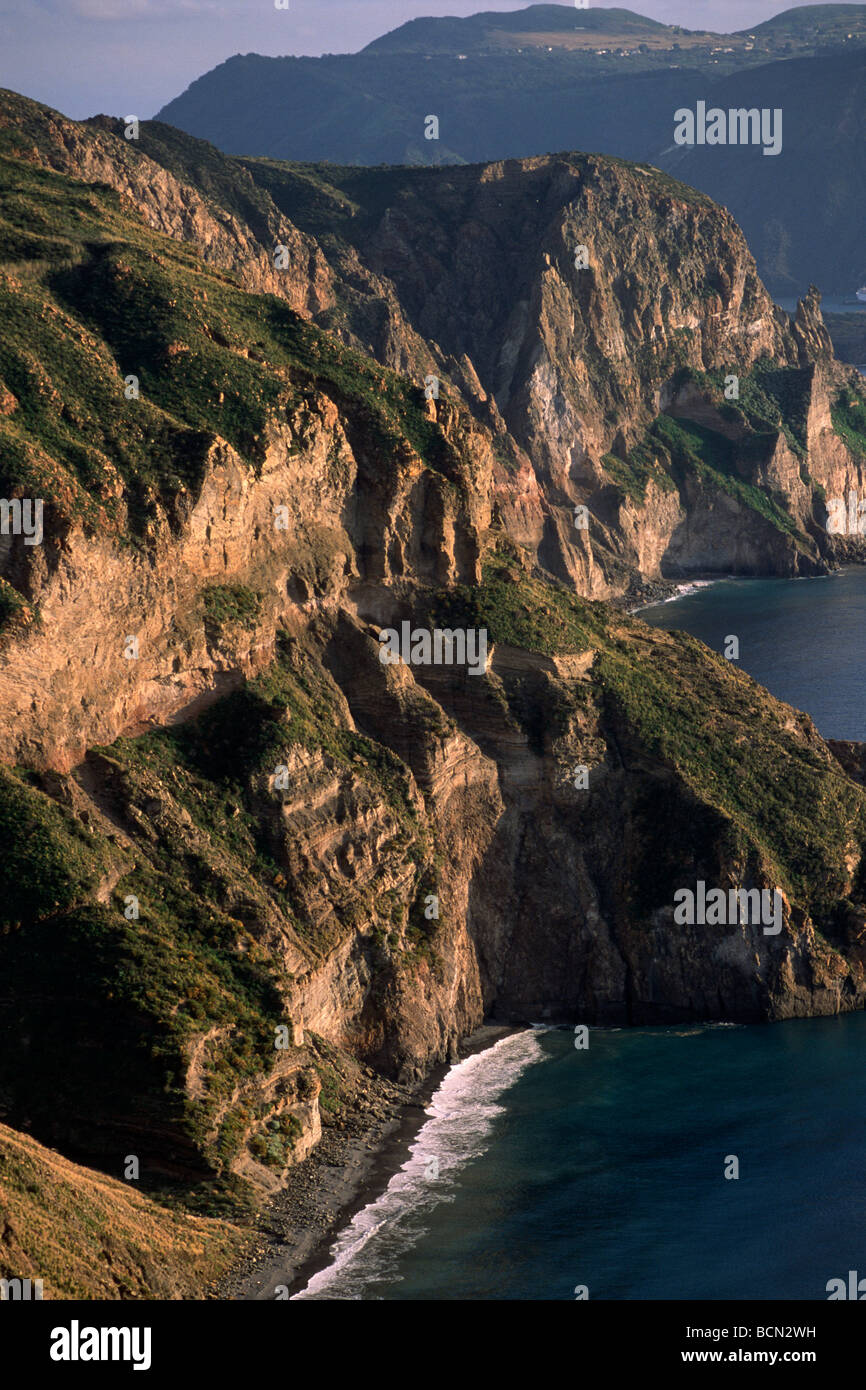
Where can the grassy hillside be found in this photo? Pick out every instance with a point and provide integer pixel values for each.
(89, 297)
(481, 32)
(87, 1236)
(830, 22)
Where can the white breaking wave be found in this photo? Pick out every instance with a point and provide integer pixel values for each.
(462, 1113)
(693, 587)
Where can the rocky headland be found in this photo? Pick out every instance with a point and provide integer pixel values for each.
(255, 881)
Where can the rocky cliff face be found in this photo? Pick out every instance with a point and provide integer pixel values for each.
(78, 684)
(565, 298)
(99, 152)
(247, 858)
(561, 300)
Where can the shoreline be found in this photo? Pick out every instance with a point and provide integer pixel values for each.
(684, 589)
(660, 591)
(349, 1168)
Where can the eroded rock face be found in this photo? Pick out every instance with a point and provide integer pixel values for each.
(253, 858)
(97, 152)
(561, 296)
(572, 910)
(556, 298)
(70, 683)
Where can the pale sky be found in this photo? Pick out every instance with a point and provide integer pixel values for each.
(132, 56)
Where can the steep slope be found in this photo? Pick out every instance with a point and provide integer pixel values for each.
(578, 363)
(229, 220)
(571, 376)
(183, 897)
(245, 858)
(87, 1236)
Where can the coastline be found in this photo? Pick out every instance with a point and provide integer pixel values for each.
(679, 590)
(349, 1168)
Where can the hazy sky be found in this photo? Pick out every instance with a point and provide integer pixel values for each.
(132, 56)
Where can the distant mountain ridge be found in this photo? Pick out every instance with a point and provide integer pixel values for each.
(495, 102)
(485, 31)
(804, 211)
(478, 31)
(803, 18)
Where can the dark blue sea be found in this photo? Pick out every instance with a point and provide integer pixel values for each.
(804, 639)
(542, 1169)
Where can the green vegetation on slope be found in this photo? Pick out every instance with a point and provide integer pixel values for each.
(848, 412)
(779, 790)
(519, 610)
(703, 451)
(696, 449)
(762, 782)
(231, 603)
(90, 298)
(133, 952)
(87, 1236)
(641, 466)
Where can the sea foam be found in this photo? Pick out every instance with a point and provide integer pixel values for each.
(461, 1116)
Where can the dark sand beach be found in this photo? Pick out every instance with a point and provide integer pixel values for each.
(349, 1168)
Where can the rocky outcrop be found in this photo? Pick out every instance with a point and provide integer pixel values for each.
(100, 152)
(562, 297)
(247, 856)
(557, 298)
